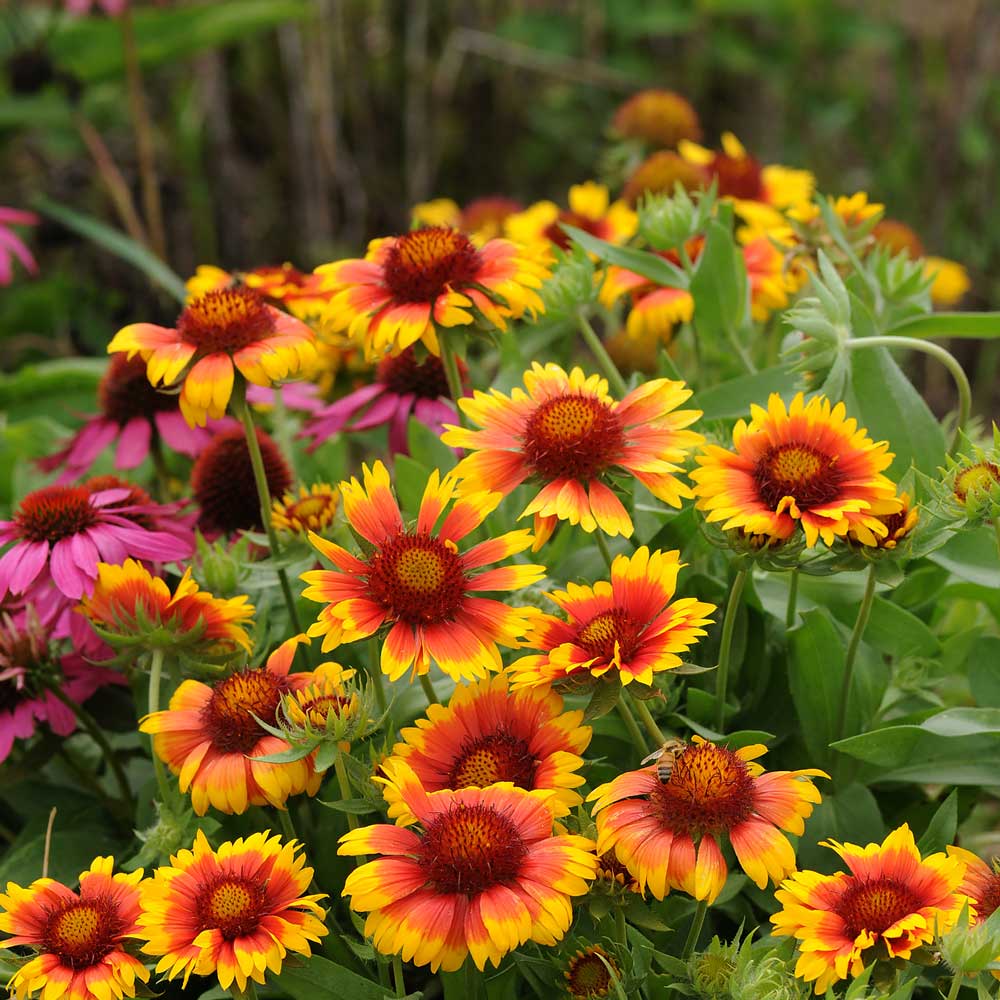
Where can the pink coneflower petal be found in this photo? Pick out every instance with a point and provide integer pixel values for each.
(58, 716)
(379, 412)
(399, 424)
(133, 444)
(66, 575)
(21, 565)
(109, 544)
(84, 553)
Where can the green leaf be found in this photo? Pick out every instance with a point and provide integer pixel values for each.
(732, 399)
(356, 807)
(56, 379)
(984, 677)
(719, 287)
(896, 631)
(847, 813)
(985, 326)
(410, 481)
(649, 265)
(971, 555)
(114, 242)
(318, 979)
(427, 448)
(941, 829)
(602, 701)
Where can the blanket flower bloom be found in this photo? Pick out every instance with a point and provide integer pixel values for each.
(487, 735)
(217, 333)
(630, 626)
(981, 886)
(80, 937)
(312, 509)
(133, 416)
(588, 973)
(668, 833)
(482, 219)
(408, 285)
(661, 117)
(403, 387)
(808, 464)
(235, 912)
(418, 582)
(482, 876)
(66, 531)
(210, 737)
(659, 174)
(567, 434)
(890, 897)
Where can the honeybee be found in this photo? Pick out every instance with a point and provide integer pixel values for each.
(665, 757)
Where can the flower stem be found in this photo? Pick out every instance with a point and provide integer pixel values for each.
(153, 705)
(945, 357)
(996, 532)
(449, 362)
(956, 985)
(471, 980)
(375, 670)
(249, 993)
(94, 731)
(287, 825)
(697, 922)
(793, 598)
(425, 683)
(242, 411)
(610, 369)
(283, 430)
(726, 648)
(646, 718)
(864, 612)
(397, 975)
(635, 733)
(621, 928)
(602, 544)
(345, 787)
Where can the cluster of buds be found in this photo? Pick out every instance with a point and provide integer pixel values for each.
(666, 223)
(969, 489)
(572, 285)
(970, 950)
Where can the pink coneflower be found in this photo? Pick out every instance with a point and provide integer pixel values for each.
(11, 245)
(113, 8)
(65, 531)
(26, 662)
(403, 386)
(133, 415)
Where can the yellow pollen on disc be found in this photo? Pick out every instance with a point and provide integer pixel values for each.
(229, 901)
(223, 308)
(425, 247)
(78, 929)
(795, 465)
(310, 507)
(481, 767)
(980, 478)
(599, 630)
(420, 570)
(569, 419)
(707, 772)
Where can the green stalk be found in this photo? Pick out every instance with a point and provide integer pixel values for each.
(287, 825)
(935, 351)
(793, 598)
(375, 670)
(242, 411)
(996, 532)
(610, 369)
(726, 648)
(471, 980)
(345, 787)
(621, 928)
(634, 732)
(646, 718)
(397, 975)
(602, 544)
(283, 430)
(425, 683)
(864, 612)
(697, 922)
(449, 362)
(250, 993)
(153, 705)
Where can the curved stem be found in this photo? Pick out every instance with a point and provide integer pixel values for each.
(726, 648)
(935, 351)
(242, 411)
(864, 612)
(449, 362)
(425, 683)
(94, 731)
(793, 598)
(634, 732)
(153, 705)
(697, 922)
(397, 975)
(602, 544)
(614, 376)
(646, 718)
(621, 928)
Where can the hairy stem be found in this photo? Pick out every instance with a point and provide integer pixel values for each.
(153, 704)
(697, 922)
(425, 683)
(726, 648)
(793, 598)
(634, 732)
(864, 612)
(646, 718)
(608, 366)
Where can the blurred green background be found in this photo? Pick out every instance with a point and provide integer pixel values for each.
(297, 129)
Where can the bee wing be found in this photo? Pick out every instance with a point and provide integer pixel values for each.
(649, 758)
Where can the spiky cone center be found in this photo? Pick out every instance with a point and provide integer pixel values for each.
(137, 497)
(659, 174)
(471, 848)
(978, 479)
(874, 905)
(420, 265)
(417, 578)
(587, 976)
(989, 900)
(611, 632)
(405, 375)
(82, 932)
(659, 116)
(573, 436)
(232, 904)
(226, 320)
(613, 872)
(319, 706)
(55, 512)
(738, 176)
(229, 716)
(800, 471)
(124, 392)
(710, 791)
(496, 756)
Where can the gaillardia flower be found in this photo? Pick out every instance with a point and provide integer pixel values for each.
(487, 735)
(668, 833)
(80, 938)
(481, 220)
(588, 973)
(313, 509)
(661, 117)
(482, 876)
(889, 903)
(130, 607)
(404, 386)
(981, 886)
(210, 737)
(630, 626)
(660, 174)
(407, 285)
(808, 464)
(418, 582)
(567, 434)
(217, 332)
(897, 526)
(235, 912)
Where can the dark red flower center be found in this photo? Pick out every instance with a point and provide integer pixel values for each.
(227, 320)
(405, 375)
(875, 905)
(229, 717)
(587, 976)
(573, 437)
(496, 756)
(738, 176)
(137, 497)
(55, 512)
(124, 392)
(418, 579)
(471, 848)
(420, 264)
(659, 174)
(710, 791)
(980, 478)
(897, 236)
(556, 234)
(83, 931)
(799, 471)
(988, 902)
(231, 903)
(611, 869)
(608, 630)
(318, 707)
